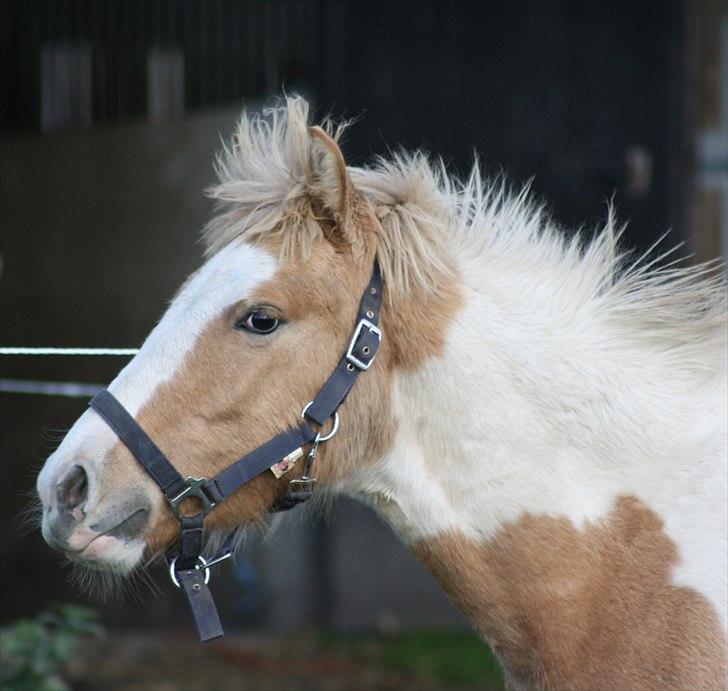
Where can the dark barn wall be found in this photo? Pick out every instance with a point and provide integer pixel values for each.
(562, 91)
(99, 230)
(567, 91)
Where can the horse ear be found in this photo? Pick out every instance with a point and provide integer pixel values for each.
(331, 182)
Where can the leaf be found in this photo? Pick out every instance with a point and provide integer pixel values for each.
(32, 652)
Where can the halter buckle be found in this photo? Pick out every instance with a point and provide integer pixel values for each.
(363, 365)
(195, 488)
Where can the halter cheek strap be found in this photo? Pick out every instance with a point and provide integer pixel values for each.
(188, 569)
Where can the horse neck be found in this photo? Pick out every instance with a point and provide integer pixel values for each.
(532, 402)
(524, 431)
(512, 414)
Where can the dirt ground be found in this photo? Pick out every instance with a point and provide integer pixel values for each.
(151, 661)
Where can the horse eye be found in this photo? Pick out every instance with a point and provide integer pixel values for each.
(259, 321)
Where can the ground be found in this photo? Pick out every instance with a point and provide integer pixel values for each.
(160, 661)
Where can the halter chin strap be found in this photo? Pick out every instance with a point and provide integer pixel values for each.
(187, 567)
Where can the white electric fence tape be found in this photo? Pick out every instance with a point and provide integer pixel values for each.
(57, 388)
(69, 351)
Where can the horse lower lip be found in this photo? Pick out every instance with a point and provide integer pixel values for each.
(84, 553)
(63, 546)
(81, 551)
(57, 543)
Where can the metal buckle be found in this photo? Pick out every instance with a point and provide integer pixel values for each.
(363, 323)
(195, 488)
(203, 565)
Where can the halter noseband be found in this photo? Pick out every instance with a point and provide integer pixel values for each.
(188, 569)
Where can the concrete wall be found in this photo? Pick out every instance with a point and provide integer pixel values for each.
(98, 231)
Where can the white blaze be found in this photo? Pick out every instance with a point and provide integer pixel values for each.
(228, 277)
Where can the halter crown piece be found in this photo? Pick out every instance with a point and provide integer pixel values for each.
(188, 569)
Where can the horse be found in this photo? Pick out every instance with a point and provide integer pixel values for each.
(544, 425)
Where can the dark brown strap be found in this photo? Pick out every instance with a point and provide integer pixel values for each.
(139, 443)
(358, 357)
(204, 612)
(258, 461)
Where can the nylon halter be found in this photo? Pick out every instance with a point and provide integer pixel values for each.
(188, 569)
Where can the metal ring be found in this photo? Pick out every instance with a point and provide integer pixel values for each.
(333, 431)
(173, 576)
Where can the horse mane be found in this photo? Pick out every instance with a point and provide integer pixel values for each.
(267, 186)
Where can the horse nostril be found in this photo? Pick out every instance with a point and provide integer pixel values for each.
(72, 490)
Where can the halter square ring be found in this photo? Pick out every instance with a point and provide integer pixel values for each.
(195, 488)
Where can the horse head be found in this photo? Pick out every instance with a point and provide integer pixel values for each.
(248, 340)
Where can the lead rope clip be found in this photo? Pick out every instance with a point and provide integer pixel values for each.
(302, 489)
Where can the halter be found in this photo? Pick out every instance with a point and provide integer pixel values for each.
(187, 568)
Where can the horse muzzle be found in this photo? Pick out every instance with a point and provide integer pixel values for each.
(97, 536)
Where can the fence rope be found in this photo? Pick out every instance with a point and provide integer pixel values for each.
(68, 351)
(57, 388)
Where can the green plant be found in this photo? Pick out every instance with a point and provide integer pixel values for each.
(450, 658)
(33, 651)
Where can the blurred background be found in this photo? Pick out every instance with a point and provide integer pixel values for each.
(111, 113)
